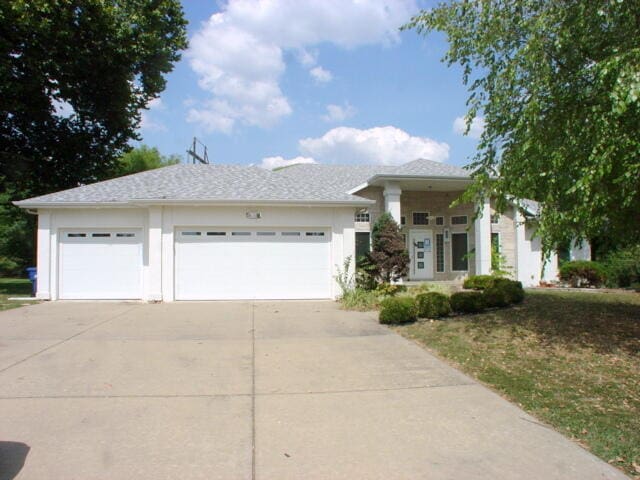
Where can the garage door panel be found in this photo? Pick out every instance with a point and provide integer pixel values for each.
(258, 264)
(100, 265)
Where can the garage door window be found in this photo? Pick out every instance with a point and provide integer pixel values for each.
(125, 235)
(266, 234)
(216, 234)
(76, 235)
(315, 234)
(191, 234)
(241, 234)
(290, 234)
(100, 235)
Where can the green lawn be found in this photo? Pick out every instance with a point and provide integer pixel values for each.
(571, 359)
(13, 287)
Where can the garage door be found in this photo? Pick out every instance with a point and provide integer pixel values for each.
(100, 264)
(226, 263)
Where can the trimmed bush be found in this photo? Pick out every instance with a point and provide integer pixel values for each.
(495, 296)
(467, 302)
(511, 288)
(433, 305)
(397, 310)
(478, 282)
(583, 273)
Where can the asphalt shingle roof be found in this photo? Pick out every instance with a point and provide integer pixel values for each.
(305, 183)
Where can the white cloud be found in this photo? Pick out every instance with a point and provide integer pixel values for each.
(307, 58)
(320, 75)
(477, 126)
(238, 54)
(275, 162)
(380, 145)
(337, 113)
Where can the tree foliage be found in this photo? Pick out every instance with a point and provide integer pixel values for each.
(558, 85)
(144, 158)
(74, 76)
(388, 252)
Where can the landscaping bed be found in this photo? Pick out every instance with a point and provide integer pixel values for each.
(570, 358)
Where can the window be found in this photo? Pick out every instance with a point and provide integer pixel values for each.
(421, 218)
(241, 234)
(439, 252)
(459, 220)
(191, 234)
(125, 235)
(363, 246)
(459, 252)
(314, 234)
(216, 234)
(100, 235)
(290, 234)
(404, 239)
(266, 234)
(76, 235)
(495, 218)
(362, 216)
(403, 220)
(440, 221)
(495, 242)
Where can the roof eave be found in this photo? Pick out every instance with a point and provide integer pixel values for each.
(193, 202)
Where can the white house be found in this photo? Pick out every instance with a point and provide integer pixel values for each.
(209, 232)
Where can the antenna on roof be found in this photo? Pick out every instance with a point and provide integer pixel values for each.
(193, 152)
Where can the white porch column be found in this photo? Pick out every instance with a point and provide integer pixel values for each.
(483, 239)
(154, 289)
(43, 260)
(392, 192)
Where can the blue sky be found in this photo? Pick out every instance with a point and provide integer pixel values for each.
(334, 81)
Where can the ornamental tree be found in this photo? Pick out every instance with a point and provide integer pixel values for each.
(557, 85)
(388, 251)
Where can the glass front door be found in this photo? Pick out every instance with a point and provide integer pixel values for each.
(421, 254)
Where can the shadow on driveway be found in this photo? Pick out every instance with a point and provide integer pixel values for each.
(12, 458)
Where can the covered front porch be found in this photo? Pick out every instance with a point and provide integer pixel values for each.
(445, 243)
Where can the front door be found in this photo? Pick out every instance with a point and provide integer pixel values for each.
(421, 254)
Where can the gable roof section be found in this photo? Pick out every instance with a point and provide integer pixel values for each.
(189, 184)
(196, 183)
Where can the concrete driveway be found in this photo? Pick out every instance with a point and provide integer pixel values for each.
(244, 390)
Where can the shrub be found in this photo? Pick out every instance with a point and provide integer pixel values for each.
(512, 289)
(433, 305)
(478, 282)
(581, 273)
(467, 302)
(495, 296)
(623, 267)
(388, 250)
(359, 299)
(390, 289)
(397, 310)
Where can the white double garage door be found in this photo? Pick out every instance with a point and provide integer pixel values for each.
(210, 263)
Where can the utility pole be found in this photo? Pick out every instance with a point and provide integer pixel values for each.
(195, 156)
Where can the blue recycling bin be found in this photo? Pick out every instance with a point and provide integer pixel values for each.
(33, 277)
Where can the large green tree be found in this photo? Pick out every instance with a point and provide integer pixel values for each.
(558, 85)
(74, 76)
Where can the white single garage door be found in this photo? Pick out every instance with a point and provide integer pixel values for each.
(100, 264)
(268, 263)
